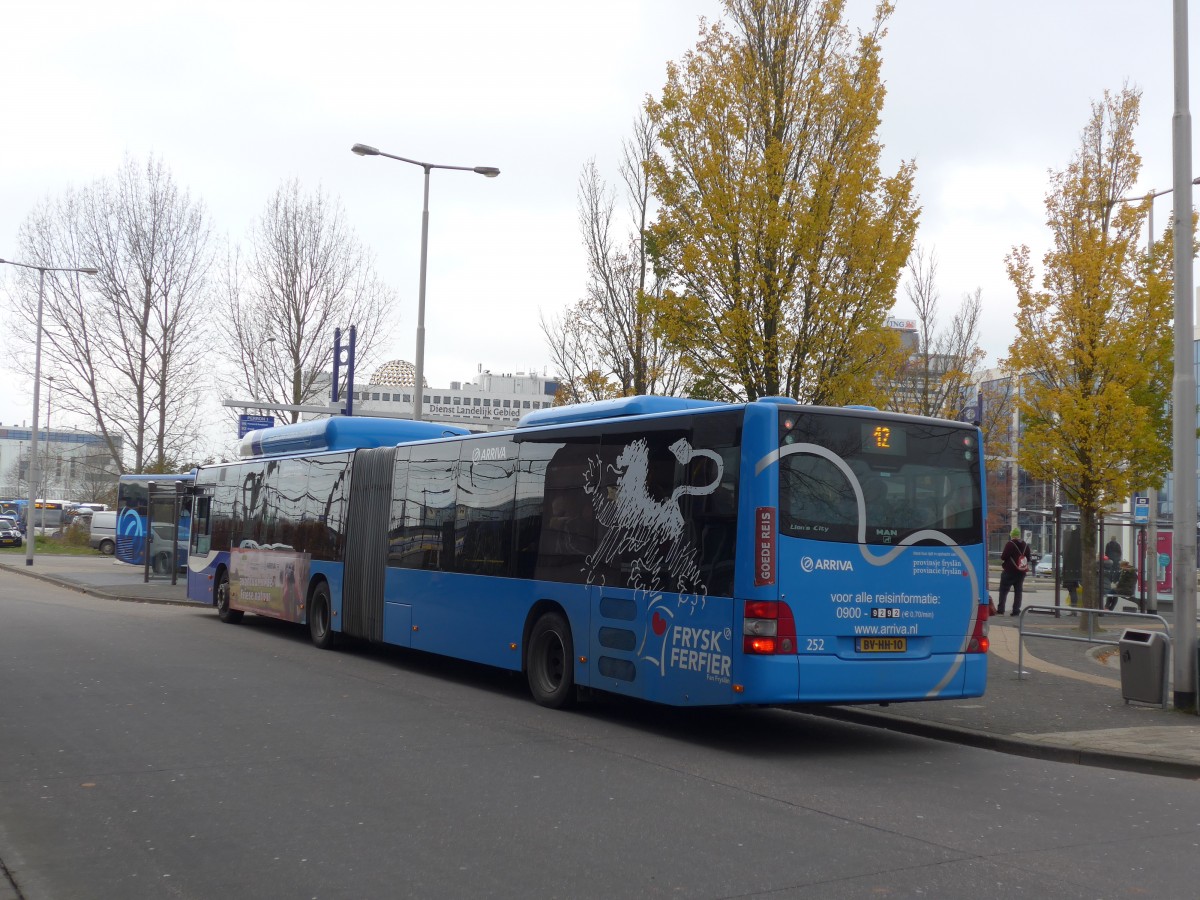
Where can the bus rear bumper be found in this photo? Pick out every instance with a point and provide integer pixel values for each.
(829, 679)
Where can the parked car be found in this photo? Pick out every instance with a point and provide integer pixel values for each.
(104, 532)
(161, 538)
(10, 532)
(1045, 567)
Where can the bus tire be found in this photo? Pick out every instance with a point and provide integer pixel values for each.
(549, 663)
(224, 613)
(107, 547)
(320, 617)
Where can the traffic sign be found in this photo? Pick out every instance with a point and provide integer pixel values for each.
(248, 423)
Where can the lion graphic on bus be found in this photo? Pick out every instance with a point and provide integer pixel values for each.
(649, 534)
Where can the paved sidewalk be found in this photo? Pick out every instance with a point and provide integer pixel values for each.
(102, 576)
(1067, 706)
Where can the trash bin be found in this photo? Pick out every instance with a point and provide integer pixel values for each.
(1144, 658)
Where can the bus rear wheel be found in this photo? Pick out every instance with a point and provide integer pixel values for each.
(549, 665)
(320, 618)
(224, 613)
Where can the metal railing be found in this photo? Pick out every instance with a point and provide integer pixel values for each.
(1091, 624)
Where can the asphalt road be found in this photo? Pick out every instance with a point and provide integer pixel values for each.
(151, 751)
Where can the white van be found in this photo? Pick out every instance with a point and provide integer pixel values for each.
(104, 532)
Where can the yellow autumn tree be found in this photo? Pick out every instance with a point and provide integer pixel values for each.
(785, 239)
(1094, 343)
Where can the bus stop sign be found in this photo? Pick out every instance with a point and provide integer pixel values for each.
(1141, 510)
(248, 423)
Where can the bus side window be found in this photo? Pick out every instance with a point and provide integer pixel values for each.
(568, 529)
(527, 516)
(429, 507)
(714, 518)
(959, 511)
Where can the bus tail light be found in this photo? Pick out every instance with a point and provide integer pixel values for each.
(769, 628)
(980, 642)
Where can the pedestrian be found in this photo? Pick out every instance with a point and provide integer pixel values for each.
(1112, 568)
(1014, 566)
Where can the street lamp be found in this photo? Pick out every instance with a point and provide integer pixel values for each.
(262, 407)
(46, 467)
(487, 172)
(37, 381)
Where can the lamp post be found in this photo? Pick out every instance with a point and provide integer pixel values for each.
(487, 172)
(1183, 591)
(258, 390)
(37, 381)
(46, 466)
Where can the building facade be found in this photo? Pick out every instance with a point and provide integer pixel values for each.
(488, 402)
(72, 465)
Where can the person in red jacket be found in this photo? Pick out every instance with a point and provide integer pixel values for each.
(1015, 565)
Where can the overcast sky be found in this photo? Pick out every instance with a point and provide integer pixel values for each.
(235, 98)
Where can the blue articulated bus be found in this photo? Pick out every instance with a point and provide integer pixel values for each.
(679, 551)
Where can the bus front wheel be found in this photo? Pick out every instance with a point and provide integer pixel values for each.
(320, 619)
(224, 613)
(550, 662)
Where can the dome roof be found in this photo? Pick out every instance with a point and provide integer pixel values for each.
(398, 373)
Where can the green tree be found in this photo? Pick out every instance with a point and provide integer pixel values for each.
(784, 239)
(1094, 342)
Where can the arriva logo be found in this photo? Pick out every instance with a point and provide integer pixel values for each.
(488, 454)
(808, 564)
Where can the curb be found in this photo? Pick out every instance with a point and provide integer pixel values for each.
(1032, 749)
(97, 592)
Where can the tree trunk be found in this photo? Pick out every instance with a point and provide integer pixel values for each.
(1090, 587)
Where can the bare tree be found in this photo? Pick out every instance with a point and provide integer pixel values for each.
(938, 379)
(95, 480)
(305, 274)
(608, 344)
(127, 346)
(575, 358)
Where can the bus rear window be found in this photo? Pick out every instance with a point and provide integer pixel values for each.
(877, 480)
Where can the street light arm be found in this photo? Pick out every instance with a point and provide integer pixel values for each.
(83, 270)
(367, 150)
(1151, 195)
